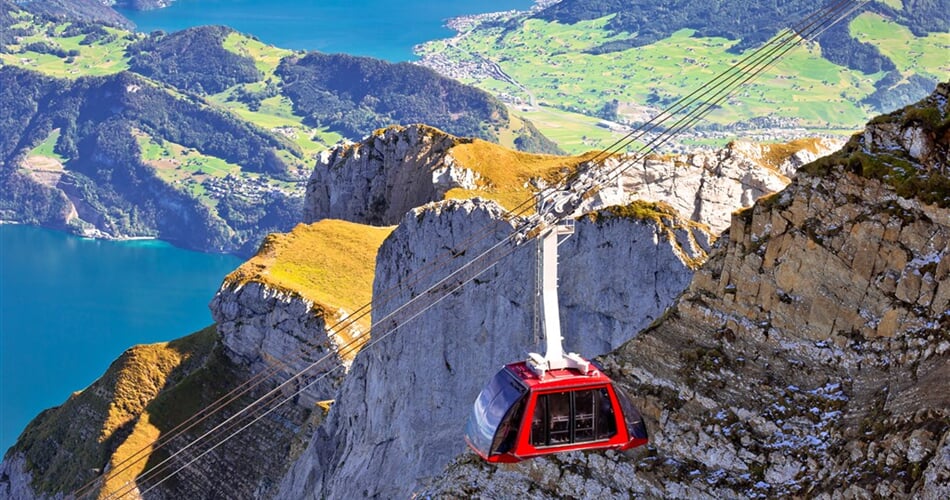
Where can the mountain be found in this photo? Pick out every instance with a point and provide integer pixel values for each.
(98, 11)
(92, 11)
(806, 357)
(280, 312)
(113, 169)
(595, 65)
(199, 137)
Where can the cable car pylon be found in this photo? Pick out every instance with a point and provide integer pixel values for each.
(554, 357)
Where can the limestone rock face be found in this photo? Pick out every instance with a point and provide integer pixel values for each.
(381, 178)
(267, 329)
(808, 357)
(399, 415)
(708, 185)
(15, 480)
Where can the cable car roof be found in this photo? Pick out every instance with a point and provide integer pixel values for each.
(556, 379)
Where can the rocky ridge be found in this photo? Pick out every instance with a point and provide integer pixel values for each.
(807, 357)
(379, 179)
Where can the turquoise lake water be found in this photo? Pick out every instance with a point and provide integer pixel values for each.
(70, 306)
(377, 28)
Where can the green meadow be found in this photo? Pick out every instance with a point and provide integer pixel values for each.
(94, 59)
(45, 148)
(550, 65)
(189, 170)
(928, 56)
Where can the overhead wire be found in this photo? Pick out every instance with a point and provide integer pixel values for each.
(709, 106)
(822, 19)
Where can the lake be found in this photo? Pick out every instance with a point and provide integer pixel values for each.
(70, 306)
(377, 28)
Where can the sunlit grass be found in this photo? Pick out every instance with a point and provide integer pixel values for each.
(330, 262)
(96, 59)
(46, 147)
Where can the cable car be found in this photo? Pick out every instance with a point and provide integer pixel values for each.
(552, 403)
(520, 415)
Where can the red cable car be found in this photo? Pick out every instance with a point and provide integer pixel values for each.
(522, 415)
(552, 403)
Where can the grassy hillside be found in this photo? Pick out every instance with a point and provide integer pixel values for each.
(505, 174)
(115, 412)
(559, 70)
(327, 97)
(331, 263)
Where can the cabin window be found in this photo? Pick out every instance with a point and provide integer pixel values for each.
(572, 417)
(508, 429)
(496, 405)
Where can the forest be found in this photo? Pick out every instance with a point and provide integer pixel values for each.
(98, 118)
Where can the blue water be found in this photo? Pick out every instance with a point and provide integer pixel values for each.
(70, 306)
(384, 29)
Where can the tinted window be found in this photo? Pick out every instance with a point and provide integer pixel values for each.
(635, 426)
(559, 418)
(606, 418)
(491, 407)
(572, 417)
(508, 429)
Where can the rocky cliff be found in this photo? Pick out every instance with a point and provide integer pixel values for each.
(809, 355)
(400, 410)
(708, 185)
(274, 318)
(298, 301)
(381, 178)
(396, 169)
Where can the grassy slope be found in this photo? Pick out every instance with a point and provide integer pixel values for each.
(113, 411)
(275, 112)
(548, 61)
(189, 169)
(95, 59)
(505, 173)
(45, 148)
(928, 56)
(331, 263)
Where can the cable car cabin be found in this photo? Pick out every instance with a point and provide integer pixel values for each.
(521, 415)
